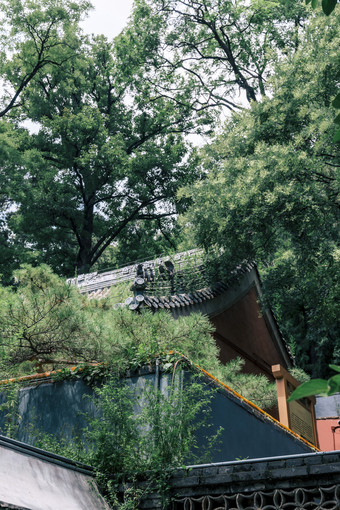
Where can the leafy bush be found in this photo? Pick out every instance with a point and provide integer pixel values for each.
(138, 430)
(322, 387)
(141, 434)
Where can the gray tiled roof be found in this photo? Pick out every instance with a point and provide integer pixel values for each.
(91, 283)
(165, 282)
(182, 283)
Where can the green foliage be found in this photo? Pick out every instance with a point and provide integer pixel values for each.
(328, 6)
(35, 36)
(217, 49)
(336, 104)
(271, 194)
(9, 410)
(103, 158)
(43, 320)
(299, 374)
(46, 322)
(253, 387)
(71, 448)
(125, 445)
(145, 240)
(120, 292)
(318, 386)
(93, 374)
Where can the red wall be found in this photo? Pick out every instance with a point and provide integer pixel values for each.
(326, 437)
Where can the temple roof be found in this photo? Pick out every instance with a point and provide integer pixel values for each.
(184, 283)
(165, 282)
(97, 284)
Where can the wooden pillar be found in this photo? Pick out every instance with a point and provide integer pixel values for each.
(298, 415)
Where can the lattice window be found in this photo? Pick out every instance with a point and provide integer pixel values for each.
(321, 498)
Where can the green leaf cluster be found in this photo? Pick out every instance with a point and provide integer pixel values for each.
(43, 320)
(160, 435)
(35, 37)
(218, 49)
(318, 386)
(328, 6)
(336, 104)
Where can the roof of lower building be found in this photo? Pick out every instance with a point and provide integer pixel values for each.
(34, 478)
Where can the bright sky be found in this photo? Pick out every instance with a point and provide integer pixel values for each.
(108, 17)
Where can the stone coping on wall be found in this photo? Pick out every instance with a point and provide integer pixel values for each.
(258, 474)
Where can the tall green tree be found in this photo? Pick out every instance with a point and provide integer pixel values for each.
(35, 36)
(107, 153)
(272, 195)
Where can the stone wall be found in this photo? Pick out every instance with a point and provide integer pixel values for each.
(58, 408)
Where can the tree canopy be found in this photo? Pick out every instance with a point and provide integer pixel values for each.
(105, 154)
(272, 195)
(34, 37)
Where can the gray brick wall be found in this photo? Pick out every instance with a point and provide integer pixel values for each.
(298, 481)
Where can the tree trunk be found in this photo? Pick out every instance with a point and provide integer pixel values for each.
(84, 256)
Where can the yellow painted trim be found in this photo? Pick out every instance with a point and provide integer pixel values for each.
(42, 375)
(258, 409)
